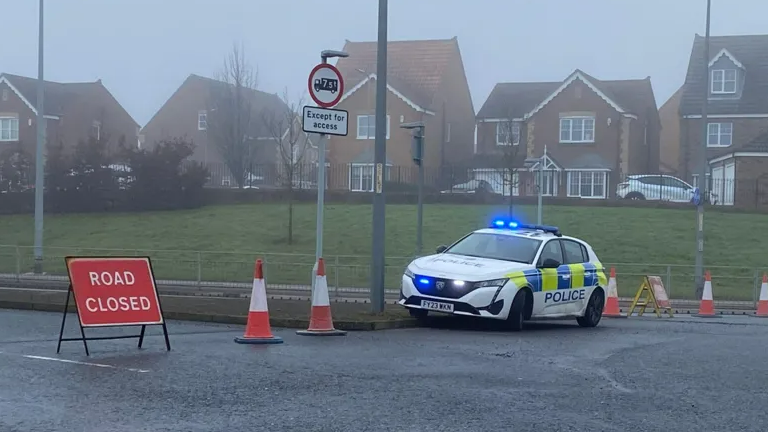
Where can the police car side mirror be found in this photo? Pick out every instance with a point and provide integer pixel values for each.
(549, 263)
(441, 248)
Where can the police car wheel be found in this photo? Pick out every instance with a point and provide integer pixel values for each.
(594, 310)
(517, 311)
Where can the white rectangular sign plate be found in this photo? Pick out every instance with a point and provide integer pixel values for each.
(325, 121)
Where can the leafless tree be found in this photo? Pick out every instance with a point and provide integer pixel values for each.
(230, 114)
(512, 157)
(285, 128)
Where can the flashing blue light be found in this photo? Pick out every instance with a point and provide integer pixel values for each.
(501, 223)
(424, 281)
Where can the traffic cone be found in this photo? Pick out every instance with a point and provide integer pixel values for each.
(320, 320)
(762, 304)
(707, 305)
(612, 300)
(257, 329)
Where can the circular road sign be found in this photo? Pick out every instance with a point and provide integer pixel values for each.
(326, 86)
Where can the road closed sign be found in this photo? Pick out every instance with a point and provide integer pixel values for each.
(114, 291)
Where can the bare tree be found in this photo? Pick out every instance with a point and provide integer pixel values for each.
(230, 114)
(293, 145)
(513, 154)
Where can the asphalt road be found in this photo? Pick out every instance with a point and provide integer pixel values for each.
(638, 374)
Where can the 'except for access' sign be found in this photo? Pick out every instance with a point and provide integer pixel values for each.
(114, 291)
(325, 121)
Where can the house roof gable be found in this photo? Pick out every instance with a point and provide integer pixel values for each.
(261, 100)
(523, 100)
(391, 88)
(57, 95)
(749, 52)
(415, 68)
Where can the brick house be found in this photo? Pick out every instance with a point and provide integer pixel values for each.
(185, 115)
(73, 112)
(426, 82)
(594, 133)
(669, 143)
(737, 101)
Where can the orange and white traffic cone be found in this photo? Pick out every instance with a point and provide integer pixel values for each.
(762, 304)
(257, 329)
(320, 320)
(707, 305)
(612, 300)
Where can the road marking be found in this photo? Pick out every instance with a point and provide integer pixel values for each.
(34, 357)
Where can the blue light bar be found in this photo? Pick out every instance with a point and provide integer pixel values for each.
(501, 223)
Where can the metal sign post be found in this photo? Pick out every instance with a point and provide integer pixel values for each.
(418, 159)
(326, 87)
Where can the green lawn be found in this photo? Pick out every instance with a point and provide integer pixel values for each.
(220, 243)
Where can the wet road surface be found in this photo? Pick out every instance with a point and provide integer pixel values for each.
(644, 374)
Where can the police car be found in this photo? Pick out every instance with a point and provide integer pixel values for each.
(509, 271)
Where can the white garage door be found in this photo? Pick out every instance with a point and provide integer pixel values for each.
(717, 184)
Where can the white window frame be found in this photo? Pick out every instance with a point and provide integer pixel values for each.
(367, 134)
(447, 132)
(9, 125)
(96, 129)
(202, 120)
(359, 187)
(719, 79)
(592, 174)
(502, 138)
(570, 120)
(718, 127)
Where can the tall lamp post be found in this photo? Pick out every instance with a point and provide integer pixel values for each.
(39, 150)
(702, 171)
(321, 149)
(380, 159)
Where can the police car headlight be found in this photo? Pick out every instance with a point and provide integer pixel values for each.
(490, 283)
(408, 273)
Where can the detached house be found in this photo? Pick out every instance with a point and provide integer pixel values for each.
(186, 115)
(425, 82)
(590, 132)
(73, 112)
(736, 85)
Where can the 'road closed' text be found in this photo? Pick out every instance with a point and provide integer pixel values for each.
(114, 304)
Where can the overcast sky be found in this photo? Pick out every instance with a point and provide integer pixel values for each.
(144, 49)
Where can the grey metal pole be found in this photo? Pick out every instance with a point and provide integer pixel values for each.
(380, 160)
(699, 284)
(420, 205)
(320, 199)
(541, 188)
(39, 151)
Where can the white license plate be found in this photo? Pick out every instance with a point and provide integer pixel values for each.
(437, 306)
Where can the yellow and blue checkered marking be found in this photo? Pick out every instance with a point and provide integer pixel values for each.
(571, 276)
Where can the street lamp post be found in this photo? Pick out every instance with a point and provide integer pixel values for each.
(39, 150)
(418, 159)
(321, 149)
(702, 171)
(380, 159)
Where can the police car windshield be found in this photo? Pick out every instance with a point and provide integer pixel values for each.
(497, 246)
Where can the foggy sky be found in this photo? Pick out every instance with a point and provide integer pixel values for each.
(143, 49)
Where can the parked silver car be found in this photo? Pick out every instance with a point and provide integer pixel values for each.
(657, 187)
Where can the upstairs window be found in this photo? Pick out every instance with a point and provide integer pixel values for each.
(577, 129)
(202, 120)
(96, 130)
(366, 127)
(723, 81)
(719, 134)
(507, 133)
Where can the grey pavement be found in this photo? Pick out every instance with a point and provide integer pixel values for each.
(639, 374)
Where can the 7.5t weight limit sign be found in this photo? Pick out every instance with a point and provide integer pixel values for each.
(326, 85)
